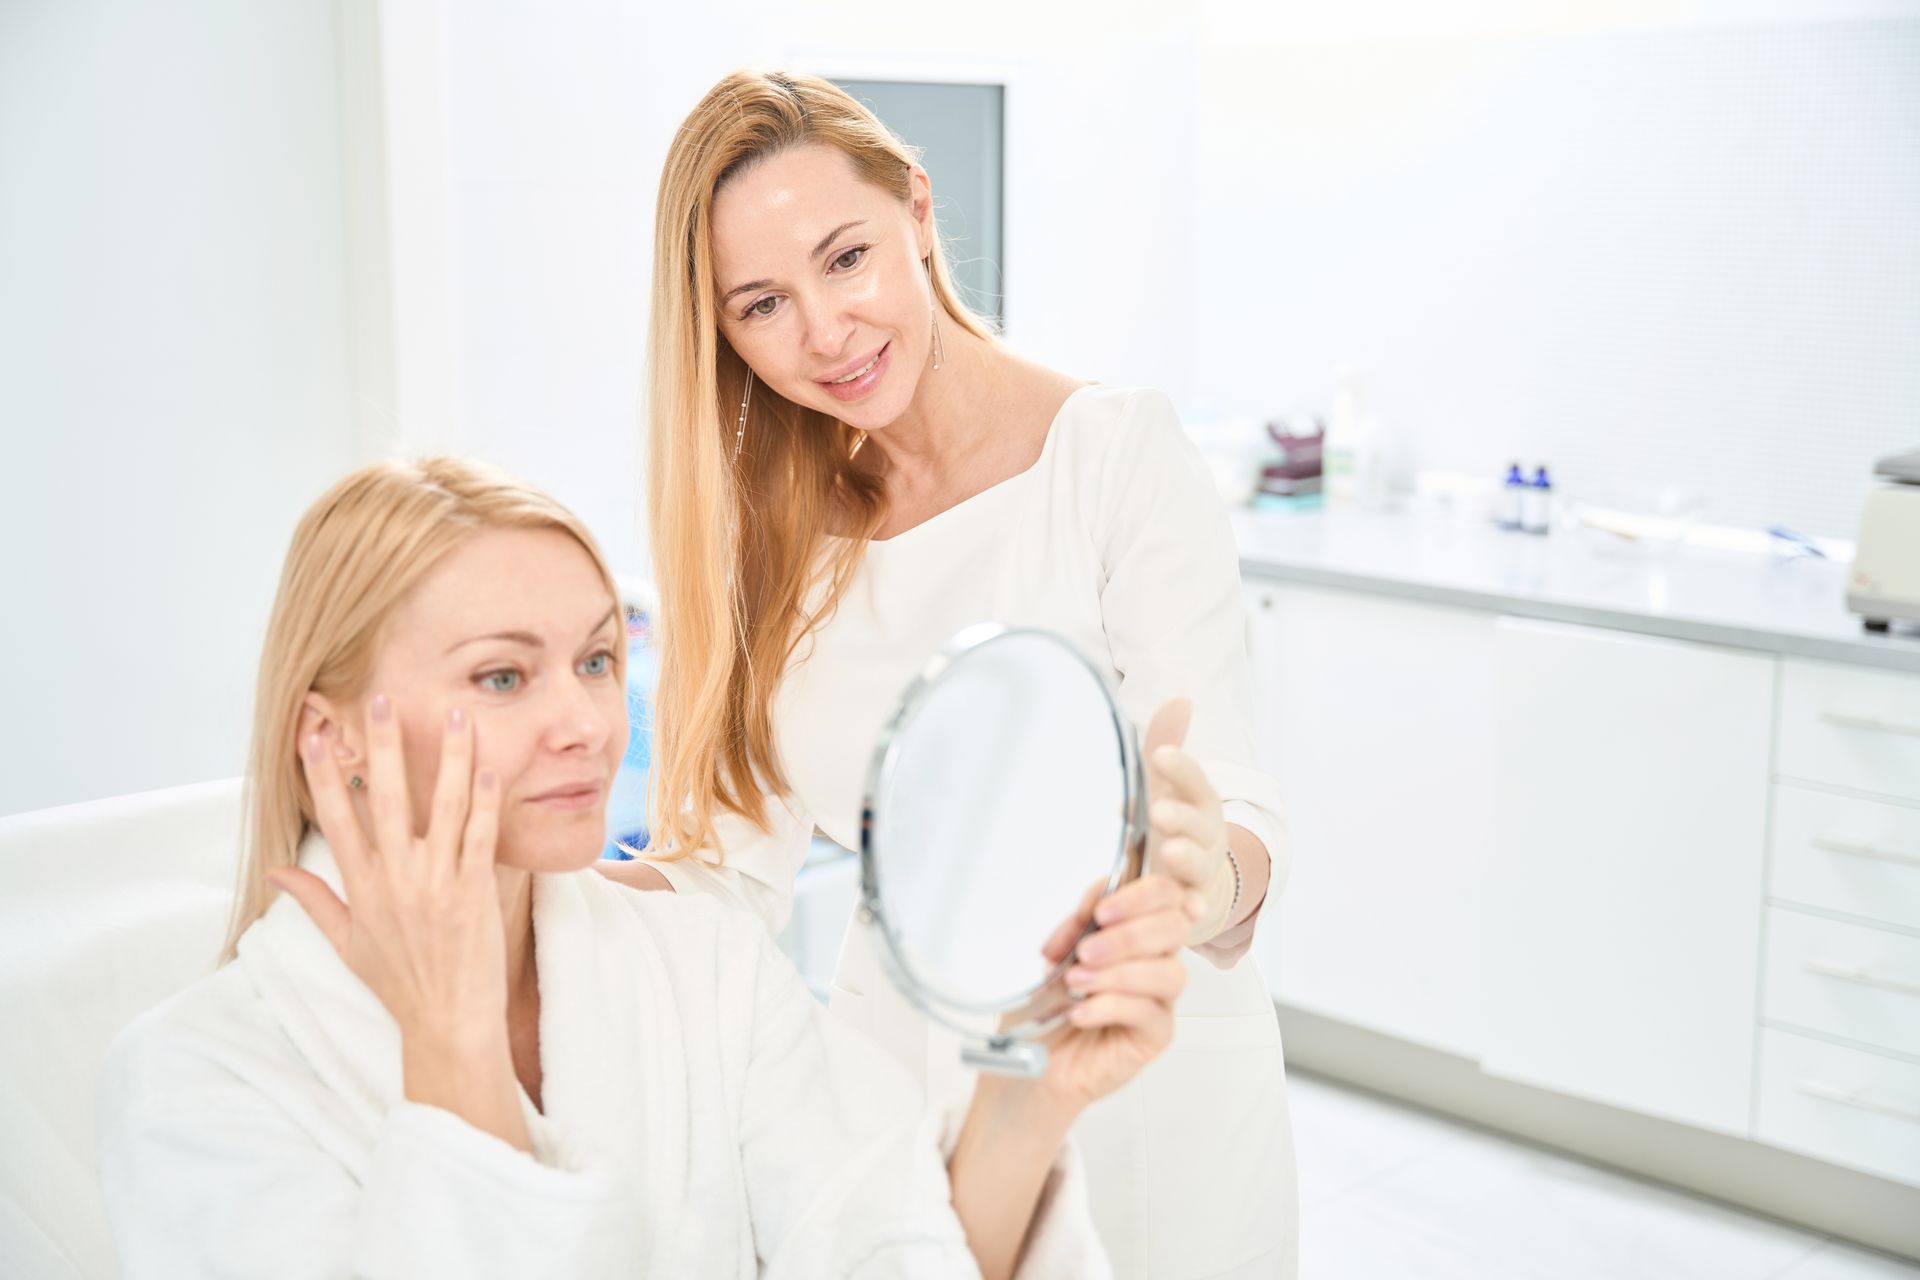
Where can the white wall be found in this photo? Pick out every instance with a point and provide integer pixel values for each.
(173, 372)
(1675, 249)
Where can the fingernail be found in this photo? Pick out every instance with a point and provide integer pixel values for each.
(1103, 914)
(1079, 976)
(312, 747)
(456, 717)
(486, 779)
(1091, 952)
(381, 709)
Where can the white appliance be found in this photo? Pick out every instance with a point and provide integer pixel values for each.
(1886, 569)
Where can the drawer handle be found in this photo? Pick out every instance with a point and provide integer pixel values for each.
(1866, 851)
(1848, 721)
(1865, 977)
(1855, 1098)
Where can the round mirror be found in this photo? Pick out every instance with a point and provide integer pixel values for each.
(1005, 786)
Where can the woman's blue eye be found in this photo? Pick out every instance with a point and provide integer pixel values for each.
(855, 253)
(598, 665)
(500, 681)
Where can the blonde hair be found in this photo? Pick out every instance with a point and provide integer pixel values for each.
(355, 556)
(737, 544)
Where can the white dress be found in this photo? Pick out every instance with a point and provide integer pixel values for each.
(1117, 539)
(701, 1116)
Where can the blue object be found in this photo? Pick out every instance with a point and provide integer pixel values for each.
(1798, 544)
(627, 806)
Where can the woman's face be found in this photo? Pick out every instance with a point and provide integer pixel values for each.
(515, 626)
(822, 286)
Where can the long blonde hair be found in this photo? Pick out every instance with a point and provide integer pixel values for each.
(356, 554)
(737, 544)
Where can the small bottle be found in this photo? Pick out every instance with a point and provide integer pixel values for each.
(1536, 504)
(1508, 512)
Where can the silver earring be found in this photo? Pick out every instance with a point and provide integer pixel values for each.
(938, 353)
(740, 428)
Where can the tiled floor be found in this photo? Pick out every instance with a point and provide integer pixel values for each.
(1389, 1192)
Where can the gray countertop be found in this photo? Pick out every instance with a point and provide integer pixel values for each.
(1739, 599)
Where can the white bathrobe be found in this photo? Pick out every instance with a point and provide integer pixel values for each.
(702, 1117)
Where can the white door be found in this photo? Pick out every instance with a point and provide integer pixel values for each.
(1625, 899)
(1375, 716)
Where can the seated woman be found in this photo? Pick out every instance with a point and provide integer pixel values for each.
(449, 1048)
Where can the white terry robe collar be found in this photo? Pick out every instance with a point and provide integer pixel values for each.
(613, 1066)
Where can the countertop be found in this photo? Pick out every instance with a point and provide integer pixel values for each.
(1738, 599)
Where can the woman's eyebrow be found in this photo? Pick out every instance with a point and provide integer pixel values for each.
(818, 249)
(531, 640)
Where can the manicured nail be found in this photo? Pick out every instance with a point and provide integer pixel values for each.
(1091, 951)
(312, 746)
(456, 717)
(486, 779)
(382, 709)
(1105, 912)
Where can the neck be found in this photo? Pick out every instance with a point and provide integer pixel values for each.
(950, 410)
(516, 919)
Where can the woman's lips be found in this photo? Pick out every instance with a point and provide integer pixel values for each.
(866, 382)
(581, 796)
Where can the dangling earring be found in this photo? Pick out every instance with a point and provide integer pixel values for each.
(938, 353)
(740, 428)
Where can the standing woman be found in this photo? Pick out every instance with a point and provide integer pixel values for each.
(846, 468)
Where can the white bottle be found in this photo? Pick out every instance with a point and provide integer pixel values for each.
(1536, 503)
(1347, 429)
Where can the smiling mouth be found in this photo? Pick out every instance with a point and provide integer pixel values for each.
(861, 372)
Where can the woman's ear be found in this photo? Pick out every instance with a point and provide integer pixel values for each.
(920, 205)
(319, 714)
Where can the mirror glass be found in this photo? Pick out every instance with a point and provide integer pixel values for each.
(1001, 792)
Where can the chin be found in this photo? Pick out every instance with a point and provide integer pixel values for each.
(556, 843)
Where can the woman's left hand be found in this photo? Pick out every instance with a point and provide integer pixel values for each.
(1187, 829)
(1126, 977)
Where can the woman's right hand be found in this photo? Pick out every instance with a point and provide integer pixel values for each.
(422, 922)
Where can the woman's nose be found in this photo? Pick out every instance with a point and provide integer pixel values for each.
(826, 331)
(579, 720)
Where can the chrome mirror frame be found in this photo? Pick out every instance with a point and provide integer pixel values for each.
(1015, 1049)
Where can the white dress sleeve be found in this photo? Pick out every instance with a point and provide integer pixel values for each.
(206, 1174)
(1174, 615)
(758, 868)
(846, 1172)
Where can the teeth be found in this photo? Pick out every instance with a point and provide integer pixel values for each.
(859, 373)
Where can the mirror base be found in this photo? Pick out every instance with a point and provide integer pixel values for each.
(1025, 1060)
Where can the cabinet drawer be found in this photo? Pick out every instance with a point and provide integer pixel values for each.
(1848, 980)
(1852, 1108)
(1845, 853)
(1849, 727)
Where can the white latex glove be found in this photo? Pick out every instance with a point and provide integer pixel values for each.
(1187, 829)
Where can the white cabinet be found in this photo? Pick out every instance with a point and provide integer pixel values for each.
(1624, 905)
(1376, 721)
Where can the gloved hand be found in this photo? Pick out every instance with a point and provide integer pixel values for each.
(1187, 830)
